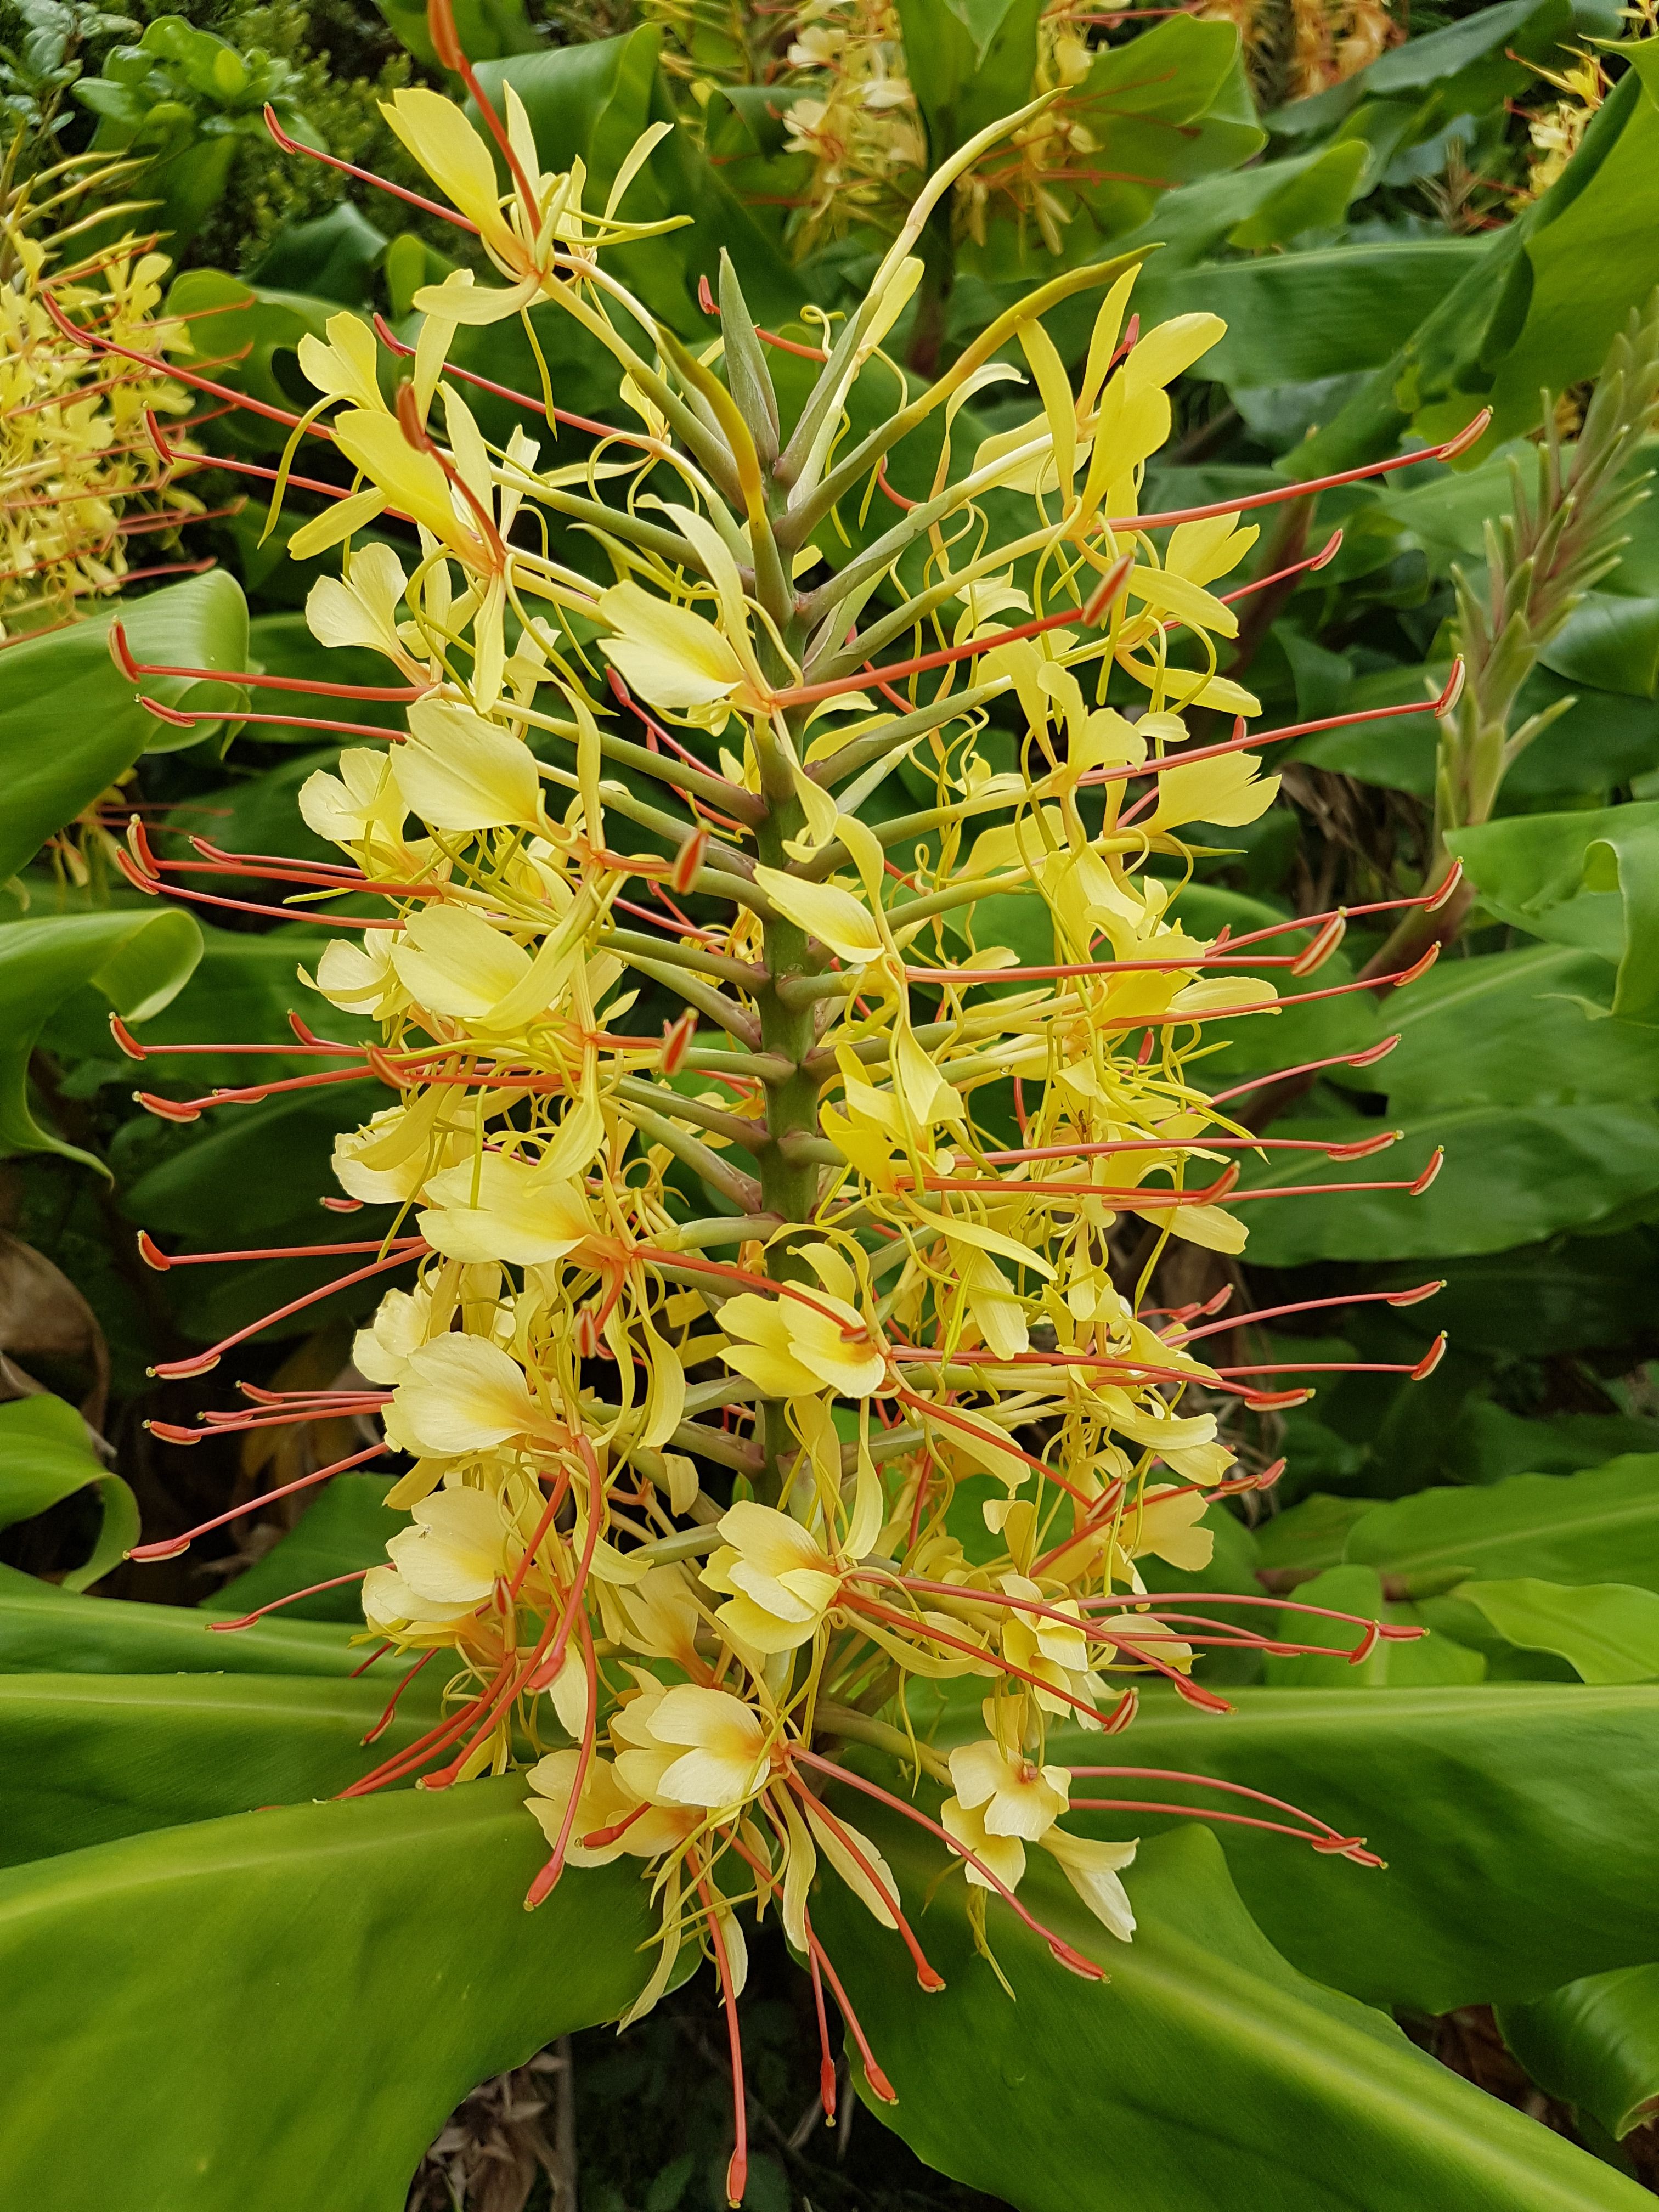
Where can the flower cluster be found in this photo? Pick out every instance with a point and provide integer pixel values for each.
(855, 114)
(81, 478)
(791, 1030)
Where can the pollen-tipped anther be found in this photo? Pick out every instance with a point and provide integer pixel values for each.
(1436, 1163)
(1430, 1359)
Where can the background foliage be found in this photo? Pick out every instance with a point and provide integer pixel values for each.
(1398, 230)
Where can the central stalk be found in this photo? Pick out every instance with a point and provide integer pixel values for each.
(789, 1187)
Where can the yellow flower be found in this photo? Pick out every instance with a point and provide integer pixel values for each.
(460, 772)
(693, 1746)
(1092, 1867)
(605, 1803)
(501, 1208)
(463, 1395)
(457, 1548)
(782, 1579)
(1013, 1796)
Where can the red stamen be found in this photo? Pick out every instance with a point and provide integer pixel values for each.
(872, 2072)
(384, 1721)
(737, 2173)
(334, 1581)
(173, 1369)
(121, 653)
(364, 176)
(171, 1547)
(1470, 436)
(1062, 1951)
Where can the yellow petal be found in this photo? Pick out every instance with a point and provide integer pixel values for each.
(670, 656)
(459, 772)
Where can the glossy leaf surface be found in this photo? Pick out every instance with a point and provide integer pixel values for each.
(371, 1963)
(1206, 2076)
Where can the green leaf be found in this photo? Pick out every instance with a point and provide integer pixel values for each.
(70, 721)
(45, 1630)
(44, 1457)
(344, 1528)
(1589, 879)
(1599, 1525)
(1591, 261)
(1492, 1442)
(333, 257)
(1469, 67)
(103, 1756)
(1598, 741)
(1296, 1033)
(1566, 1295)
(139, 958)
(1428, 1659)
(241, 993)
(1207, 2076)
(1513, 1817)
(1520, 315)
(1611, 639)
(487, 28)
(1295, 317)
(253, 1177)
(1605, 1632)
(1509, 1029)
(1513, 1175)
(263, 1961)
(1312, 1534)
(1595, 2045)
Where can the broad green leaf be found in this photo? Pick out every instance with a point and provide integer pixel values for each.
(1600, 1525)
(241, 993)
(97, 1757)
(1513, 1817)
(254, 1178)
(139, 958)
(970, 62)
(1296, 317)
(1595, 2045)
(44, 1457)
(1311, 1534)
(1428, 1659)
(1600, 739)
(1605, 1632)
(1513, 1175)
(1588, 879)
(1509, 1029)
(1590, 265)
(1611, 639)
(247, 1969)
(1525, 316)
(344, 1529)
(487, 28)
(1206, 2076)
(1194, 221)
(1257, 1042)
(45, 1630)
(333, 257)
(70, 722)
(1468, 66)
(1492, 1442)
(1176, 110)
(591, 101)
